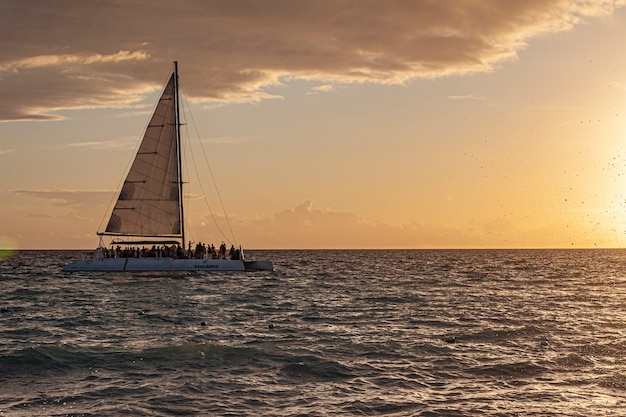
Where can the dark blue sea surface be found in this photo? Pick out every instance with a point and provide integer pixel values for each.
(329, 333)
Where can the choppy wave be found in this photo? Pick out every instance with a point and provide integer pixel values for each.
(402, 333)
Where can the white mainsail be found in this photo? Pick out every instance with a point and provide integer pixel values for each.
(149, 203)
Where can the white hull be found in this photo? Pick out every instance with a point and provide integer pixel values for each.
(166, 264)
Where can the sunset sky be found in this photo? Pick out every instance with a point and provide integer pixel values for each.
(327, 124)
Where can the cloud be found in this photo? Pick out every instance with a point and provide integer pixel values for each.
(74, 199)
(66, 60)
(321, 89)
(66, 215)
(68, 55)
(103, 145)
(231, 139)
(306, 227)
(467, 97)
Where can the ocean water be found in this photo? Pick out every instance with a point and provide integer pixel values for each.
(329, 333)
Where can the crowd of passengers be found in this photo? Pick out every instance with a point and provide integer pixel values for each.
(201, 251)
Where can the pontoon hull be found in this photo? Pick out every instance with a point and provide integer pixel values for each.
(167, 264)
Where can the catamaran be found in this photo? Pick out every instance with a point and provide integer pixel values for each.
(149, 210)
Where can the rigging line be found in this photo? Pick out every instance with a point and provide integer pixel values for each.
(199, 181)
(188, 195)
(184, 100)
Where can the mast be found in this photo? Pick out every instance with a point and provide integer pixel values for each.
(180, 163)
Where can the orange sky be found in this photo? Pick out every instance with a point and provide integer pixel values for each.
(327, 124)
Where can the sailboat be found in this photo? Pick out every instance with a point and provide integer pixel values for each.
(149, 209)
